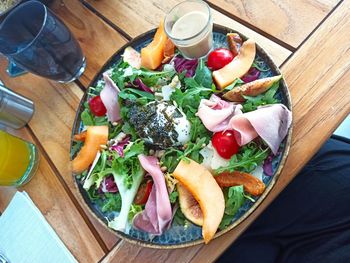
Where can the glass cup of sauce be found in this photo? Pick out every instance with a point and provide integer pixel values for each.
(189, 25)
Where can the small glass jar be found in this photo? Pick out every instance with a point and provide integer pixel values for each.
(189, 25)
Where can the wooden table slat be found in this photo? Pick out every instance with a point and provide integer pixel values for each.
(289, 21)
(136, 17)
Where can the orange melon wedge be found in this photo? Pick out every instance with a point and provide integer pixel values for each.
(252, 89)
(95, 137)
(153, 54)
(238, 67)
(202, 185)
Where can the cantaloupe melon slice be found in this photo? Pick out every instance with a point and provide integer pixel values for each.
(153, 54)
(252, 89)
(238, 67)
(95, 137)
(202, 185)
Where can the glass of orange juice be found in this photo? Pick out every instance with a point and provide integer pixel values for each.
(18, 160)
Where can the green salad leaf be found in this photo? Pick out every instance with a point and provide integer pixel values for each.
(203, 75)
(112, 202)
(252, 103)
(134, 209)
(249, 157)
(234, 199)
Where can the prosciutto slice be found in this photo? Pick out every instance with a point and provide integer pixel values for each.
(216, 113)
(156, 217)
(270, 122)
(109, 97)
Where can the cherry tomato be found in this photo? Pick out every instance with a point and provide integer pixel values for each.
(225, 143)
(219, 58)
(143, 193)
(97, 107)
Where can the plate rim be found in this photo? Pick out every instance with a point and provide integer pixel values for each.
(76, 125)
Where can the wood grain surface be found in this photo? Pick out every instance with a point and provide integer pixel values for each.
(136, 17)
(317, 80)
(317, 73)
(61, 213)
(289, 21)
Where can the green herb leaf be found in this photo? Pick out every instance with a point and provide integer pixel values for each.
(249, 157)
(173, 196)
(134, 209)
(252, 103)
(203, 75)
(112, 203)
(87, 118)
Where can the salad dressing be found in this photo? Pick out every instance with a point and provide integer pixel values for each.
(189, 26)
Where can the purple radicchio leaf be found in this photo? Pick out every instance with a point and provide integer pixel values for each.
(119, 146)
(108, 185)
(253, 74)
(181, 64)
(141, 86)
(267, 166)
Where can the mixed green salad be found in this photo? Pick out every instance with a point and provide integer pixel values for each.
(141, 125)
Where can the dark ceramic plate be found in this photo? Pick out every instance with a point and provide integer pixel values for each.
(179, 236)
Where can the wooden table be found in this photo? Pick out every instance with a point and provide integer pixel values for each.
(309, 39)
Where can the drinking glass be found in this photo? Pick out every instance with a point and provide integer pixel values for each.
(189, 25)
(36, 40)
(18, 160)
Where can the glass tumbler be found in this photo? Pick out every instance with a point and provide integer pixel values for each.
(34, 39)
(18, 160)
(189, 25)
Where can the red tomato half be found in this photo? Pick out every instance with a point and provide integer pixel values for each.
(143, 193)
(225, 144)
(97, 107)
(219, 58)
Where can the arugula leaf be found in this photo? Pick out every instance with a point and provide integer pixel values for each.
(86, 118)
(237, 82)
(252, 103)
(89, 119)
(170, 159)
(198, 129)
(203, 75)
(128, 129)
(140, 93)
(234, 199)
(192, 150)
(113, 202)
(249, 157)
(173, 196)
(134, 209)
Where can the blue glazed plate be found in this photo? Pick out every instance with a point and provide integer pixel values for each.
(180, 236)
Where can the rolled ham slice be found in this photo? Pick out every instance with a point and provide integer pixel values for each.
(109, 97)
(157, 216)
(216, 113)
(270, 122)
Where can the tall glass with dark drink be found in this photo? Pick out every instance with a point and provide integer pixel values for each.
(36, 40)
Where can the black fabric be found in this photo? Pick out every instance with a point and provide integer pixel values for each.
(310, 220)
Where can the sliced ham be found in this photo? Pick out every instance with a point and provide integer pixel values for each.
(109, 97)
(157, 216)
(270, 122)
(216, 113)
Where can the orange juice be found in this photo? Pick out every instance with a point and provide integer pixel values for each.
(18, 160)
